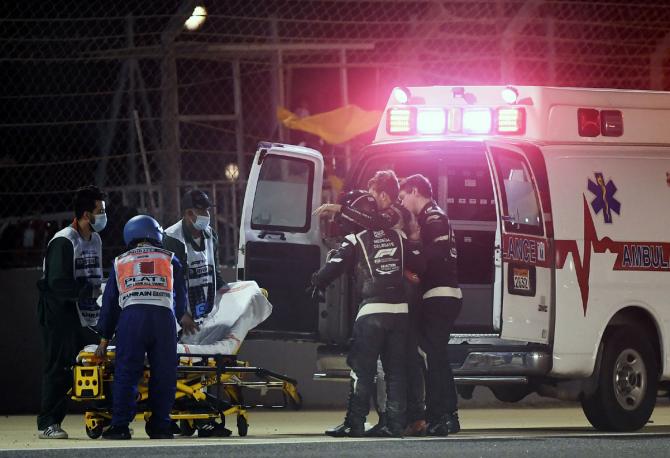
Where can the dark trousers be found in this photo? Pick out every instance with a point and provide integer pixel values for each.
(434, 329)
(144, 329)
(374, 336)
(62, 339)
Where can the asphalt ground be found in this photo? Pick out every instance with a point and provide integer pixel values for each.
(503, 432)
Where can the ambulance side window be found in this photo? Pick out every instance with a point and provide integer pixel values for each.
(520, 204)
(283, 195)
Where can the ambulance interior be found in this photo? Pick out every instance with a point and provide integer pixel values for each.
(462, 186)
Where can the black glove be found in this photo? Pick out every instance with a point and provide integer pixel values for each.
(313, 291)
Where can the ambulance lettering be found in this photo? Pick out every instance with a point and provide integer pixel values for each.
(524, 249)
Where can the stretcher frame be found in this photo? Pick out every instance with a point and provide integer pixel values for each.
(197, 374)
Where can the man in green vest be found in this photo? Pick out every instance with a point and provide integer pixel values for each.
(67, 309)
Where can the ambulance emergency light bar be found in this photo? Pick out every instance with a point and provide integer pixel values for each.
(407, 120)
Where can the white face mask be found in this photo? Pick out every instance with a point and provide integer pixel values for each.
(201, 222)
(100, 222)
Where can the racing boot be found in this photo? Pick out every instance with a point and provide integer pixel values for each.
(384, 431)
(117, 432)
(347, 430)
(438, 427)
(453, 425)
(372, 432)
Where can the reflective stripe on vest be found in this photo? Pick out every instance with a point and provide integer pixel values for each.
(144, 276)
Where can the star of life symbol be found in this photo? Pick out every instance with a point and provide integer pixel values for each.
(604, 200)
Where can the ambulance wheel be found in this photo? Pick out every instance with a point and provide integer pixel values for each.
(626, 385)
(186, 428)
(242, 425)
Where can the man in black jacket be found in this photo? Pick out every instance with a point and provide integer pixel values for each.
(441, 302)
(378, 259)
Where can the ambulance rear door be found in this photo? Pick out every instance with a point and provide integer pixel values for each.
(280, 241)
(523, 251)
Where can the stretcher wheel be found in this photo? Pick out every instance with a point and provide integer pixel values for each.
(186, 428)
(94, 432)
(242, 425)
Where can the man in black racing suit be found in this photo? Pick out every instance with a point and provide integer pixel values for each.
(440, 305)
(378, 258)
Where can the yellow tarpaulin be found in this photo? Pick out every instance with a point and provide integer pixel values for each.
(334, 127)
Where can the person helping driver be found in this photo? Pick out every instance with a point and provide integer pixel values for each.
(377, 258)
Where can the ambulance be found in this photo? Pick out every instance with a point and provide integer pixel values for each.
(560, 202)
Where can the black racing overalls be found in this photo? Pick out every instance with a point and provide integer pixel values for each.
(440, 305)
(377, 258)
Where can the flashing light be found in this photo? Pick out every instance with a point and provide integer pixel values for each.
(588, 122)
(611, 123)
(477, 120)
(455, 120)
(511, 121)
(400, 120)
(431, 120)
(401, 94)
(510, 95)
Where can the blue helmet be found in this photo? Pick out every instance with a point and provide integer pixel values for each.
(142, 228)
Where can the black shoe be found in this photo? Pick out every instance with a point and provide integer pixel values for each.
(213, 429)
(453, 425)
(383, 431)
(117, 433)
(161, 435)
(158, 432)
(345, 430)
(438, 428)
(174, 427)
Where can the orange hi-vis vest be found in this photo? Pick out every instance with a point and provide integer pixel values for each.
(144, 276)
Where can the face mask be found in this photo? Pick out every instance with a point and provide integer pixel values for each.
(201, 222)
(99, 222)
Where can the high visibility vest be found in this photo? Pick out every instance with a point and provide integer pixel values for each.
(201, 276)
(86, 265)
(144, 275)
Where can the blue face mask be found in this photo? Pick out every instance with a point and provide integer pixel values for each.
(99, 223)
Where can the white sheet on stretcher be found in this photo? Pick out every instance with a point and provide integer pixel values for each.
(236, 311)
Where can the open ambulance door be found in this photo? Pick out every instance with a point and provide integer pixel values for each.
(523, 252)
(280, 241)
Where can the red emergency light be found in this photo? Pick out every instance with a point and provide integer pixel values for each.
(410, 120)
(592, 122)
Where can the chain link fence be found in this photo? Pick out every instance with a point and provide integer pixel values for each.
(129, 99)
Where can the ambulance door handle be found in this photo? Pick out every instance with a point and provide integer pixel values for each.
(263, 234)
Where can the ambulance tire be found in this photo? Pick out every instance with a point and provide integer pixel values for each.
(625, 348)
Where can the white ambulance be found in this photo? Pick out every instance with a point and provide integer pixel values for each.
(560, 201)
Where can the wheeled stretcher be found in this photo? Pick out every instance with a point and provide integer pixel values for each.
(208, 387)
(211, 380)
